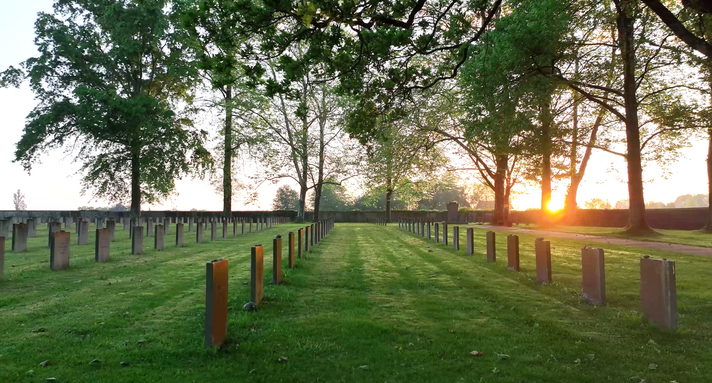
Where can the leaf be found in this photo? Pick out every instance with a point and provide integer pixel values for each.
(502, 356)
(495, 370)
(591, 356)
(477, 353)
(282, 359)
(46, 363)
(652, 366)
(364, 367)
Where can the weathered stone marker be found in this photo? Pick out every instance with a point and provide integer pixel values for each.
(306, 240)
(277, 260)
(68, 221)
(542, 250)
(83, 235)
(179, 235)
(593, 274)
(111, 225)
(243, 227)
(216, 289)
(137, 240)
(149, 227)
(190, 224)
(158, 239)
(437, 232)
(300, 235)
(456, 238)
(102, 245)
(52, 227)
(19, 237)
(234, 227)
(290, 249)
(470, 250)
(445, 238)
(32, 227)
(224, 228)
(429, 236)
(311, 236)
(513, 252)
(257, 275)
(213, 230)
(2, 258)
(59, 252)
(199, 232)
(491, 246)
(658, 291)
(166, 226)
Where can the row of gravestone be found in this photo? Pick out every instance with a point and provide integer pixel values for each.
(658, 292)
(59, 241)
(216, 287)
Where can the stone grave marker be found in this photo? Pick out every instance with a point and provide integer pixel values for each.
(83, 236)
(158, 238)
(19, 237)
(290, 249)
(593, 273)
(513, 252)
(470, 241)
(216, 293)
(542, 250)
(300, 235)
(277, 260)
(437, 232)
(2, 258)
(102, 245)
(199, 232)
(491, 246)
(658, 291)
(257, 275)
(111, 225)
(137, 240)
(149, 227)
(445, 238)
(59, 252)
(52, 227)
(179, 234)
(213, 230)
(456, 238)
(32, 227)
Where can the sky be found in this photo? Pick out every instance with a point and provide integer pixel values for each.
(54, 184)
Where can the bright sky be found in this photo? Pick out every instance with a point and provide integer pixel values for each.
(55, 184)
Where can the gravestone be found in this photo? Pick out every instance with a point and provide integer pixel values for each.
(437, 232)
(149, 227)
(257, 275)
(470, 241)
(68, 221)
(190, 224)
(234, 227)
(137, 240)
(445, 234)
(213, 230)
(306, 240)
(243, 227)
(199, 232)
(111, 225)
(513, 252)
(250, 225)
(277, 260)
(311, 236)
(83, 236)
(102, 245)
(593, 272)
(52, 227)
(2, 258)
(19, 237)
(179, 234)
(491, 246)
(456, 238)
(658, 291)
(5, 225)
(542, 250)
(290, 249)
(300, 235)
(158, 238)
(428, 229)
(216, 293)
(224, 228)
(31, 227)
(59, 252)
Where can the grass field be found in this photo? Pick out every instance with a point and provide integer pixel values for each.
(684, 237)
(369, 304)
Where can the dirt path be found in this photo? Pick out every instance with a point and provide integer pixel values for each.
(674, 247)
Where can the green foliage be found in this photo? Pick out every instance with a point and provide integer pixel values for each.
(286, 198)
(333, 197)
(597, 203)
(114, 90)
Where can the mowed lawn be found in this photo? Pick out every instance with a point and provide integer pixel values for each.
(370, 303)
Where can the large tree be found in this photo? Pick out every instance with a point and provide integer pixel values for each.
(112, 88)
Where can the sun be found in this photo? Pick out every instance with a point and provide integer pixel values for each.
(554, 206)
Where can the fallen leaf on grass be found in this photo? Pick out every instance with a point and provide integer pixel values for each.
(652, 366)
(477, 353)
(502, 356)
(46, 363)
(364, 367)
(282, 359)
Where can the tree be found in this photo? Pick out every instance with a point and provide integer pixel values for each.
(215, 44)
(111, 81)
(333, 197)
(18, 199)
(286, 198)
(597, 203)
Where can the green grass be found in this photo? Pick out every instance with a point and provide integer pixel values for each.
(684, 237)
(369, 304)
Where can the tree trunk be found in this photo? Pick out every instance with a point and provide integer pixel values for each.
(637, 224)
(227, 166)
(302, 203)
(708, 226)
(500, 202)
(317, 200)
(135, 183)
(546, 122)
(389, 196)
